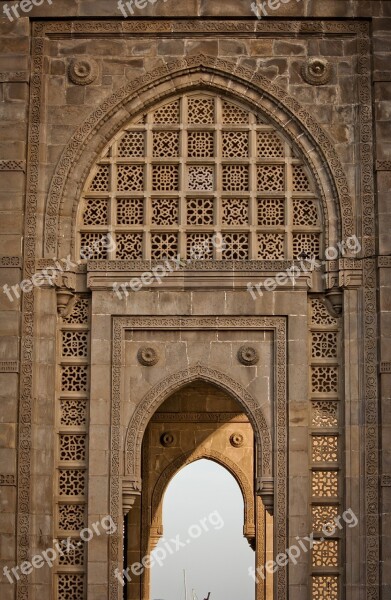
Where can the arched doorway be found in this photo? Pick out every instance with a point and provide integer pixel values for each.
(198, 421)
(203, 535)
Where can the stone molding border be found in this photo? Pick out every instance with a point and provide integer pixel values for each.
(181, 461)
(130, 93)
(154, 398)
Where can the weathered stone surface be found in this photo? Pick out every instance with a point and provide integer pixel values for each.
(46, 391)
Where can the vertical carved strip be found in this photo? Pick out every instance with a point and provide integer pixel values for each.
(72, 423)
(325, 451)
(371, 433)
(26, 379)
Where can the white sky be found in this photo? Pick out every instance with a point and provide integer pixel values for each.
(216, 561)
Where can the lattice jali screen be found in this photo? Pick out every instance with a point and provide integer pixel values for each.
(325, 452)
(200, 165)
(72, 419)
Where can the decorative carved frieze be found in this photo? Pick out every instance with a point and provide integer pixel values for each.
(195, 417)
(14, 76)
(383, 165)
(7, 479)
(385, 481)
(10, 262)
(384, 261)
(9, 366)
(12, 165)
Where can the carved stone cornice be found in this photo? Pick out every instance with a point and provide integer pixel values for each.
(130, 490)
(345, 273)
(199, 417)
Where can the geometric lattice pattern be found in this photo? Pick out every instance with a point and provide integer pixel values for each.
(74, 343)
(323, 518)
(95, 212)
(72, 482)
(306, 243)
(320, 314)
(324, 448)
(78, 314)
(192, 164)
(324, 413)
(130, 211)
(324, 379)
(72, 447)
(324, 344)
(74, 378)
(74, 556)
(271, 211)
(325, 554)
(72, 419)
(71, 517)
(325, 587)
(325, 443)
(325, 484)
(73, 412)
(70, 586)
(234, 211)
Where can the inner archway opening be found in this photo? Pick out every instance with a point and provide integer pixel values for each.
(203, 549)
(200, 421)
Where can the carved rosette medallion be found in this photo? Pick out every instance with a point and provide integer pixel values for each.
(83, 71)
(147, 356)
(248, 356)
(236, 440)
(316, 71)
(167, 439)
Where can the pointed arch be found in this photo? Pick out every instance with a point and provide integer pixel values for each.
(165, 388)
(191, 73)
(190, 457)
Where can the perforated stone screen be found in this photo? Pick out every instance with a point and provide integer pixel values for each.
(196, 167)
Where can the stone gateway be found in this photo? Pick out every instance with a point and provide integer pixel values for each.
(195, 257)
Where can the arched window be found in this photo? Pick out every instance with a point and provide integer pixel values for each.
(204, 178)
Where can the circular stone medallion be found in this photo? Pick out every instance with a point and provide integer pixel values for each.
(147, 356)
